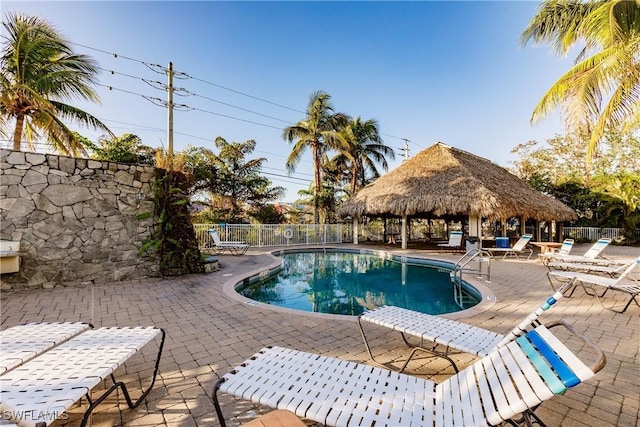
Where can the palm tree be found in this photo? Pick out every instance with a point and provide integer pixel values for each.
(38, 72)
(622, 201)
(602, 90)
(318, 132)
(364, 151)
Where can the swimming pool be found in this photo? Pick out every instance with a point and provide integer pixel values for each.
(351, 282)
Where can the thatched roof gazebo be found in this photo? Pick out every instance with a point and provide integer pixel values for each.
(442, 181)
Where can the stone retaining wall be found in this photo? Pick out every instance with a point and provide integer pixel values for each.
(76, 219)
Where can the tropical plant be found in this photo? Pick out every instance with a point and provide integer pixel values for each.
(602, 90)
(586, 202)
(126, 148)
(622, 208)
(318, 131)
(610, 198)
(561, 158)
(39, 72)
(229, 178)
(363, 152)
(328, 199)
(268, 214)
(173, 240)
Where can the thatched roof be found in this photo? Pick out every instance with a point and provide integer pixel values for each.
(443, 180)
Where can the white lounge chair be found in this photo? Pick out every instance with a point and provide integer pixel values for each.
(624, 282)
(591, 256)
(455, 241)
(510, 381)
(451, 334)
(43, 388)
(23, 342)
(234, 247)
(610, 267)
(519, 247)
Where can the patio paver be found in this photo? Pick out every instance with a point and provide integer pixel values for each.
(210, 332)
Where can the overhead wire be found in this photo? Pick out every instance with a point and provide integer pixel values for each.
(185, 92)
(184, 75)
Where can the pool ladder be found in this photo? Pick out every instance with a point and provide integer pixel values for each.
(475, 261)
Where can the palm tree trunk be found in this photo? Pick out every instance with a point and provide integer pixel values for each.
(17, 133)
(317, 159)
(354, 180)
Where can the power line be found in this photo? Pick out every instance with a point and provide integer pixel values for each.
(239, 108)
(159, 85)
(247, 95)
(208, 139)
(185, 92)
(187, 76)
(299, 173)
(235, 118)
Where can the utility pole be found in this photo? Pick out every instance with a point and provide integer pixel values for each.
(405, 149)
(170, 116)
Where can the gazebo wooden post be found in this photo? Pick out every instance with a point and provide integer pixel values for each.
(385, 230)
(523, 226)
(403, 231)
(355, 230)
(475, 228)
(560, 231)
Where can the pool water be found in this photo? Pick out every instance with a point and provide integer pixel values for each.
(351, 283)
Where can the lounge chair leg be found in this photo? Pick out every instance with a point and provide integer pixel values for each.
(216, 404)
(94, 403)
(434, 353)
(573, 289)
(404, 338)
(366, 343)
(530, 414)
(632, 299)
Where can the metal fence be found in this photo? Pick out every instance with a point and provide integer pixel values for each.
(263, 235)
(373, 231)
(590, 233)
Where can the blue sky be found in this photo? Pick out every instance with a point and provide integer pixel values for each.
(427, 71)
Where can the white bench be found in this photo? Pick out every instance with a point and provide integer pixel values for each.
(43, 388)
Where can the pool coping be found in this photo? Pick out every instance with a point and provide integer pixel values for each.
(230, 285)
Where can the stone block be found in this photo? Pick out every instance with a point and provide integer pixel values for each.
(94, 164)
(35, 158)
(67, 164)
(16, 158)
(65, 195)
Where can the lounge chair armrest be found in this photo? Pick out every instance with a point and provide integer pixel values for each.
(602, 358)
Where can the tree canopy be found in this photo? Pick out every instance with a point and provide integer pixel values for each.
(126, 148)
(39, 72)
(229, 178)
(602, 90)
(609, 197)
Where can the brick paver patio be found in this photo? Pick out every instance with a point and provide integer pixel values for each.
(209, 331)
